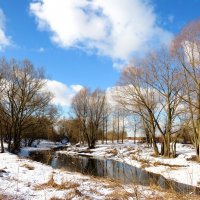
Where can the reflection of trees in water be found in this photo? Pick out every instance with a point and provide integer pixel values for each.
(44, 157)
(85, 165)
(108, 168)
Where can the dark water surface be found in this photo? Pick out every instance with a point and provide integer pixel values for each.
(109, 168)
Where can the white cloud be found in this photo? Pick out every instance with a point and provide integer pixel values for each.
(4, 40)
(115, 28)
(63, 94)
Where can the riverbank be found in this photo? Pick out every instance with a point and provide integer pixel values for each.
(182, 169)
(23, 179)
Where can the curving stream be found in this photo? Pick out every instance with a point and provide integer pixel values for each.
(109, 168)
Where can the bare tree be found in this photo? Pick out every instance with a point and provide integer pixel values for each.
(165, 78)
(186, 47)
(106, 114)
(69, 128)
(88, 108)
(136, 96)
(3, 66)
(23, 97)
(153, 92)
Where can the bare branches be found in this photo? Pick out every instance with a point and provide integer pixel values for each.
(89, 110)
(23, 97)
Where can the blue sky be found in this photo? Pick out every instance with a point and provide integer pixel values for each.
(86, 43)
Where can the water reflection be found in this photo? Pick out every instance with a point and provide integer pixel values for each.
(109, 168)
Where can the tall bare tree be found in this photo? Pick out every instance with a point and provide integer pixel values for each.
(136, 96)
(23, 97)
(88, 108)
(152, 91)
(166, 79)
(186, 47)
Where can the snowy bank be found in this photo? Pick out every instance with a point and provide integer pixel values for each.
(26, 179)
(181, 169)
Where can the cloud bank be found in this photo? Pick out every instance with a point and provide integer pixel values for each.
(63, 94)
(118, 29)
(4, 40)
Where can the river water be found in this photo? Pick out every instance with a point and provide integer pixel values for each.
(109, 168)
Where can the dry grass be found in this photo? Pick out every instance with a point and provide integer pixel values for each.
(52, 184)
(107, 182)
(157, 163)
(6, 197)
(130, 149)
(146, 163)
(1, 197)
(112, 151)
(56, 198)
(86, 151)
(136, 192)
(27, 166)
(74, 193)
(170, 194)
(119, 194)
(193, 158)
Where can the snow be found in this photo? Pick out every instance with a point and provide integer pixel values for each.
(22, 178)
(18, 180)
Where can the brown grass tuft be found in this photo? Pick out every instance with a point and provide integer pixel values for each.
(107, 182)
(157, 163)
(56, 198)
(113, 151)
(75, 193)
(1, 197)
(27, 166)
(193, 158)
(119, 194)
(52, 184)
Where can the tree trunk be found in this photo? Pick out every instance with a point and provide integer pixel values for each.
(118, 128)
(106, 130)
(2, 146)
(123, 129)
(155, 147)
(174, 149)
(162, 148)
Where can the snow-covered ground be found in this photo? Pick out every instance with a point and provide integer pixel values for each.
(180, 169)
(21, 178)
(25, 179)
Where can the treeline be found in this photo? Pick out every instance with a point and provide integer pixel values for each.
(93, 117)
(26, 112)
